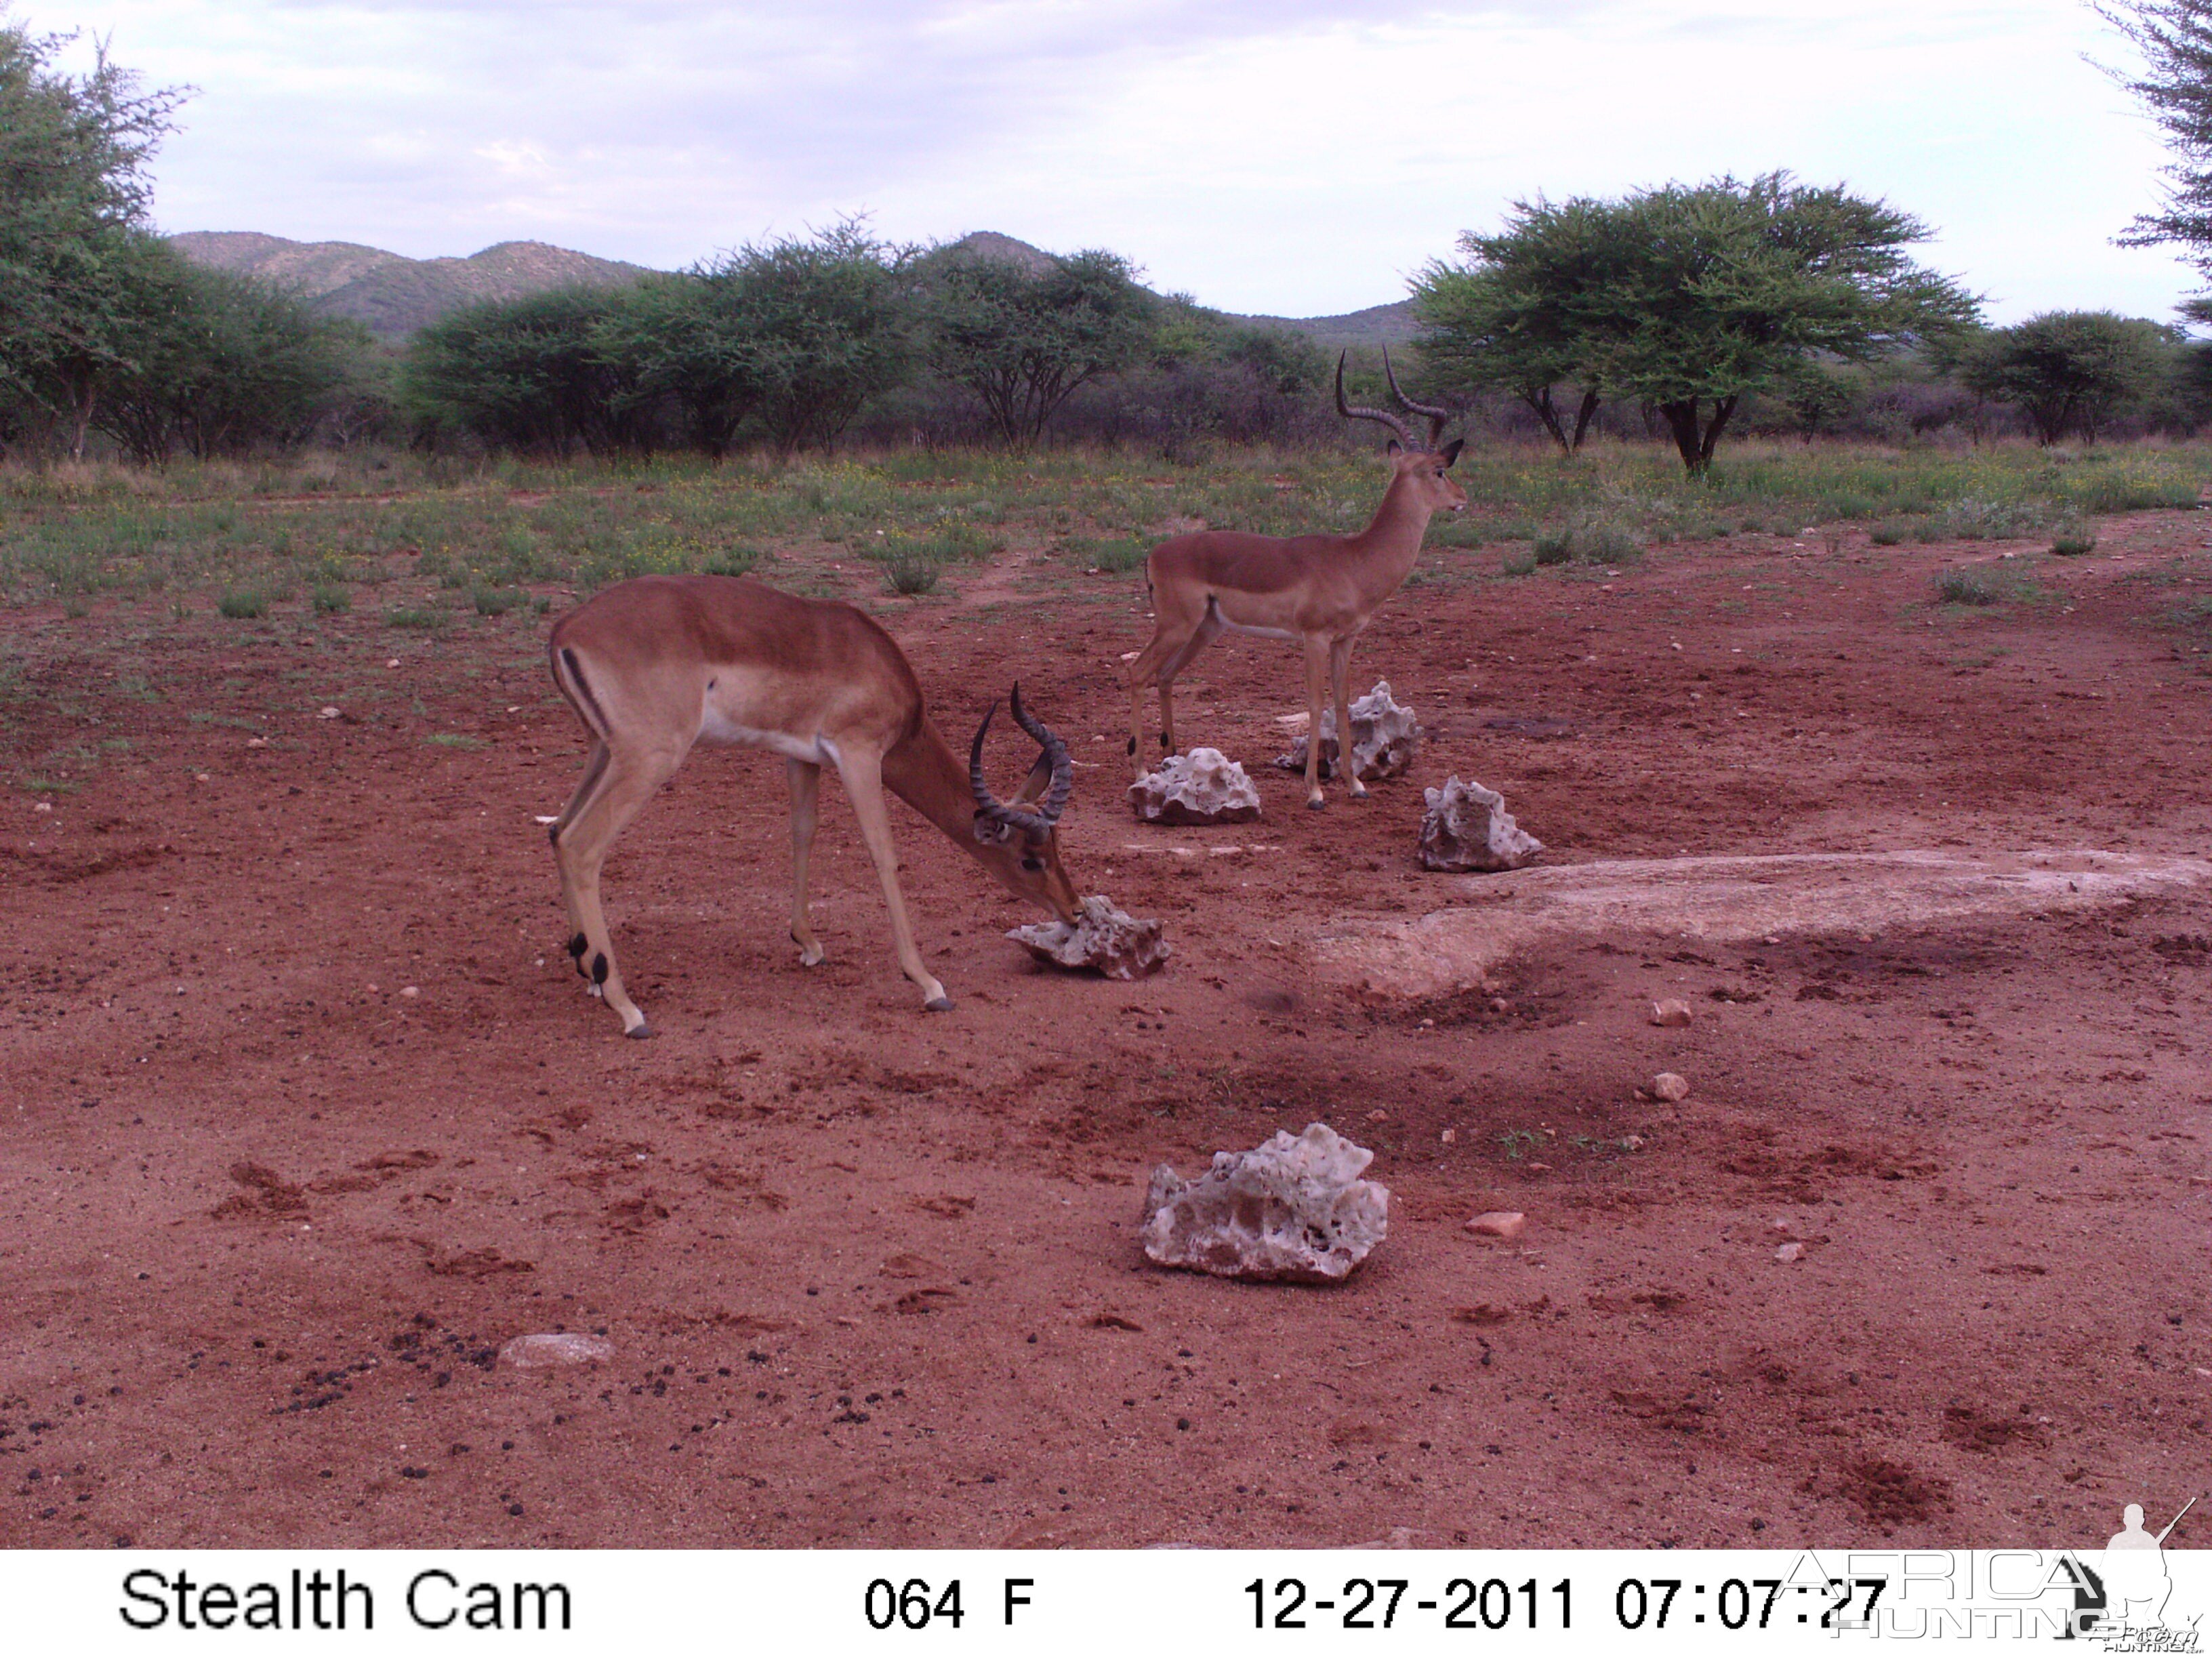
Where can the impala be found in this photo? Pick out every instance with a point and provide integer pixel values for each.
(656, 664)
(1319, 590)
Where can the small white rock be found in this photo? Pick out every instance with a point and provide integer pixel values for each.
(1497, 1224)
(1671, 1086)
(327, 712)
(1204, 787)
(410, 991)
(557, 1348)
(1792, 1251)
(1671, 1012)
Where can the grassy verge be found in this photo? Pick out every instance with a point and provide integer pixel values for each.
(323, 532)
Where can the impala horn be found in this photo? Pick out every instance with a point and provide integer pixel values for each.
(1438, 418)
(1353, 412)
(989, 809)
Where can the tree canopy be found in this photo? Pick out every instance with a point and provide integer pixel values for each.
(1023, 340)
(2072, 371)
(1685, 297)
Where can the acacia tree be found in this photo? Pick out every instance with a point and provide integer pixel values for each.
(1505, 320)
(2072, 371)
(74, 197)
(2175, 84)
(528, 373)
(1689, 298)
(1023, 340)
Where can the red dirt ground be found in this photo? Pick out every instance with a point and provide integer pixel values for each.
(265, 1216)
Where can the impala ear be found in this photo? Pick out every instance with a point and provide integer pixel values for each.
(1035, 785)
(1452, 449)
(1394, 449)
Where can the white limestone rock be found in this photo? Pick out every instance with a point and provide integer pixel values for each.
(1294, 1208)
(1204, 787)
(1466, 827)
(1115, 944)
(557, 1348)
(1385, 737)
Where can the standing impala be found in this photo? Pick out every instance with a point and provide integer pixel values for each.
(1319, 590)
(656, 664)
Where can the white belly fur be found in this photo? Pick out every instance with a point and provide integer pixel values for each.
(816, 750)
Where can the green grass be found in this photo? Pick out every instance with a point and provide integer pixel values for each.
(454, 740)
(329, 599)
(497, 601)
(195, 534)
(414, 616)
(244, 604)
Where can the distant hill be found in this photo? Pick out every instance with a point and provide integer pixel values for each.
(1378, 326)
(392, 294)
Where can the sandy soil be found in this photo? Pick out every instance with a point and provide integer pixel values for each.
(306, 1116)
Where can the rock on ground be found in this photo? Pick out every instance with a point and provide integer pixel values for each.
(1672, 1011)
(1204, 787)
(1466, 827)
(1293, 1208)
(1385, 737)
(1115, 944)
(557, 1348)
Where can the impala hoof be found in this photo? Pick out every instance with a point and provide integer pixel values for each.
(1317, 804)
(641, 1030)
(937, 1005)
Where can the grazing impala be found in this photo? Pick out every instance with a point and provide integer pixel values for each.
(1320, 590)
(655, 664)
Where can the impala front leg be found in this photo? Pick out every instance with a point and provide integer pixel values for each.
(864, 782)
(805, 785)
(1317, 655)
(1347, 761)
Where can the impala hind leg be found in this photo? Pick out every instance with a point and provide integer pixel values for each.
(1317, 657)
(805, 785)
(1339, 672)
(863, 779)
(581, 845)
(1180, 632)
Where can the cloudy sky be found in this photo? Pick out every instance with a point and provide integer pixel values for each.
(1289, 157)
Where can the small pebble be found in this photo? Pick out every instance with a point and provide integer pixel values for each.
(326, 713)
(1448, 1136)
(410, 991)
(1497, 1224)
(1672, 1011)
(1671, 1086)
(1790, 1252)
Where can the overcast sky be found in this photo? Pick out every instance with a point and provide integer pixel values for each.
(1291, 157)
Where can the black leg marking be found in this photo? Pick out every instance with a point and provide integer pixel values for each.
(1133, 745)
(598, 967)
(590, 710)
(576, 946)
(553, 835)
(1163, 739)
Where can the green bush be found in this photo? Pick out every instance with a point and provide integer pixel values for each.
(1117, 558)
(410, 617)
(1588, 539)
(497, 601)
(909, 573)
(2074, 537)
(1887, 533)
(1959, 587)
(1518, 564)
(330, 600)
(240, 603)
(731, 562)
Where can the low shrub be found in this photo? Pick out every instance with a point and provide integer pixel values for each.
(2074, 537)
(242, 604)
(910, 574)
(1962, 587)
(329, 599)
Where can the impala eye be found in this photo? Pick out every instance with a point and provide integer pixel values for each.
(1032, 865)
